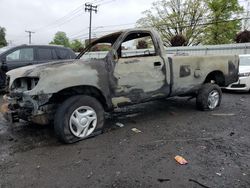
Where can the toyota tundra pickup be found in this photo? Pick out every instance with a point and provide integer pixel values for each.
(119, 69)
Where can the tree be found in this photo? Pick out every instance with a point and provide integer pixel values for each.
(243, 37)
(76, 45)
(224, 21)
(61, 38)
(178, 40)
(2, 37)
(176, 17)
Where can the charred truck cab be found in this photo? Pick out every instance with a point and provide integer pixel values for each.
(123, 68)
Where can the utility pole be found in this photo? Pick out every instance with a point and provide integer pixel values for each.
(89, 8)
(248, 14)
(245, 24)
(30, 32)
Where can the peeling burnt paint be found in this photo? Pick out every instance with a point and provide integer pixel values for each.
(185, 70)
(232, 72)
(133, 61)
(120, 100)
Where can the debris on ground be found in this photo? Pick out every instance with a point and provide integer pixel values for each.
(89, 176)
(203, 147)
(119, 125)
(198, 183)
(229, 114)
(219, 174)
(161, 180)
(181, 160)
(232, 133)
(136, 130)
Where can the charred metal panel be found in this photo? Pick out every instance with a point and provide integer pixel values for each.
(185, 71)
(232, 72)
(199, 68)
(139, 79)
(54, 77)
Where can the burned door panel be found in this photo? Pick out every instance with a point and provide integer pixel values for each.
(139, 78)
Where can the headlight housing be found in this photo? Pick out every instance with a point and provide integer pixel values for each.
(245, 74)
(24, 83)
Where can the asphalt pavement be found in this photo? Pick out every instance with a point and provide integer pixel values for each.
(216, 145)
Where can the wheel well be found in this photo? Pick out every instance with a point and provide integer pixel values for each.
(64, 94)
(217, 77)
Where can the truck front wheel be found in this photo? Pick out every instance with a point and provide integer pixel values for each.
(209, 97)
(79, 117)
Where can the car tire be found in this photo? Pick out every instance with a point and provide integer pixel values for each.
(78, 118)
(209, 97)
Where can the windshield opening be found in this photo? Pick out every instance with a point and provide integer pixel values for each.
(99, 48)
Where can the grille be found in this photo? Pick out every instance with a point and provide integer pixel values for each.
(238, 85)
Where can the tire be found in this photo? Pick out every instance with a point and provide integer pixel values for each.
(209, 97)
(78, 118)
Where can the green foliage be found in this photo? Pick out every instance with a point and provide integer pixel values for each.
(223, 29)
(176, 17)
(61, 38)
(3, 41)
(76, 45)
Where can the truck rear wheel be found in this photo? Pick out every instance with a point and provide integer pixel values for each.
(209, 97)
(78, 118)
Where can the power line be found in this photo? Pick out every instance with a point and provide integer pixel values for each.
(106, 2)
(185, 26)
(66, 18)
(79, 33)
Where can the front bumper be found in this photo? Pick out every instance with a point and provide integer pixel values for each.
(16, 108)
(243, 84)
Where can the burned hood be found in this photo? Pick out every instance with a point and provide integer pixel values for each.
(59, 75)
(35, 70)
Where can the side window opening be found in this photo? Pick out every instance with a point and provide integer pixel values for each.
(137, 45)
(23, 54)
(98, 51)
(45, 54)
(62, 54)
(54, 56)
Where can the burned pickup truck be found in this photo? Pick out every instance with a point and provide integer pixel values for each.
(74, 94)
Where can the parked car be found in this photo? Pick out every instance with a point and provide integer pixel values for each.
(243, 84)
(93, 85)
(23, 55)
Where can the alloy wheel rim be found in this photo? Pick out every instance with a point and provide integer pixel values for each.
(213, 99)
(83, 121)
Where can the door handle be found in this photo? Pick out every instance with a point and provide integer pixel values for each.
(157, 64)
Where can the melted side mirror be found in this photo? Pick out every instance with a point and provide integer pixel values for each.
(3, 59)
(4, 66)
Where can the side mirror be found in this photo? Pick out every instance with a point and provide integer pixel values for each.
(4, 66)
(3, 60)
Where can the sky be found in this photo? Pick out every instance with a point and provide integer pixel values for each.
(46, 17)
